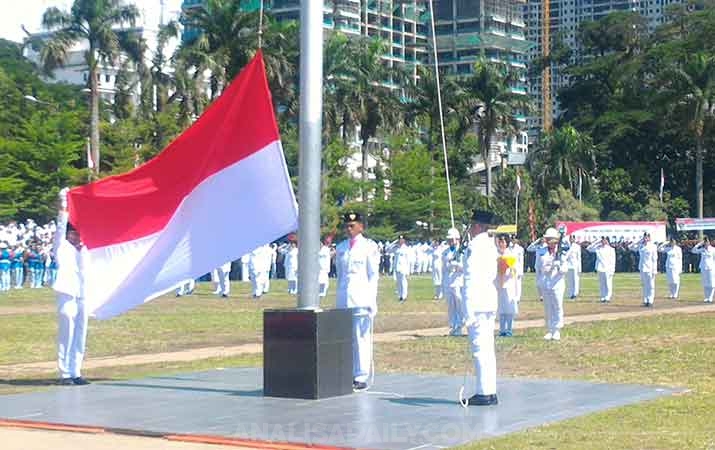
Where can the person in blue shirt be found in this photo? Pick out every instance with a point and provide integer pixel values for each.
(4, 267)
(17, 266)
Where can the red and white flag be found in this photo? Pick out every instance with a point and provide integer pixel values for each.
(218, 191)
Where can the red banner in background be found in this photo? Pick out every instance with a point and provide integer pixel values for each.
(615, 231)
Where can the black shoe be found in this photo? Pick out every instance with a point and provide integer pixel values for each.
(359, 386)
(79, 381)
(65, 382)
(224, 296)
(483, 400)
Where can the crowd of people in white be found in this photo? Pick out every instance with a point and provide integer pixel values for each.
(26, 255)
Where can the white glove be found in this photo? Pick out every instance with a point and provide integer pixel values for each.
(63, 197)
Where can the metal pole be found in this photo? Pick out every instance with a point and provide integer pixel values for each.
(516, 213)
(441, 114)
(260, 25)
(311, 103)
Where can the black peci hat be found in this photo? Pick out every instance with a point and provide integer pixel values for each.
(481, 216)
(352, 216)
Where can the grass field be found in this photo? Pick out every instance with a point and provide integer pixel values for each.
(671, 350)
(28, 320)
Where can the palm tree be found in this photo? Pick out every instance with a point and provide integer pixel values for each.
(562, 158)
(97, 23)
(376, 103)
(488, 102)
(691, 87)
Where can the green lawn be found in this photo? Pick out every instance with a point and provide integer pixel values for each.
(670, 350)
(28, 322)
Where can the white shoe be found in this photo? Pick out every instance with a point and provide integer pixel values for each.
(548, 336)
(556, 336)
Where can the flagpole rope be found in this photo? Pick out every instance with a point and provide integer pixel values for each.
(441, 114)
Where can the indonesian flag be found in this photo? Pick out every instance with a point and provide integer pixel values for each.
(217, 192)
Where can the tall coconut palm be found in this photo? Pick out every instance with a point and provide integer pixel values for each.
(376, 103)
(488, 103)
(95, 22)
(690, 86)
(562, 158)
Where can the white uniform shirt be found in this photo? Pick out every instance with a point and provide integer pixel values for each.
(707, 257)
(647, 257)
(290, 262)
(358, 272)
(573, 257)
(605, 257)
(452, 268)
(674, 261)
(323, 264)
(480, 276)
(551, 271)
(404, 257)
(518, 251)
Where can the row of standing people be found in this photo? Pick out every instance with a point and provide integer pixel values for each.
(34, 266)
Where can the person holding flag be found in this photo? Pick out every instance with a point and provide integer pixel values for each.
(72, 256)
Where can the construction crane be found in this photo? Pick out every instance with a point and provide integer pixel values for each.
(546, 110)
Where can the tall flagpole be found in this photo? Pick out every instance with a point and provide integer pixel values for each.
(260, 25)
(311, 104)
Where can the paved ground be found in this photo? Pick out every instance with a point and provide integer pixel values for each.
(13, 370)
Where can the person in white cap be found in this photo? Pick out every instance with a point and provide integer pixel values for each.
(453, 281)
(647, 266)
(552, 271)
(707, 267)
(605, 266)
(673, 265)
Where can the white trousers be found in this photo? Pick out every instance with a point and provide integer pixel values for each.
(5, 279)
(362, 344)
(481, 341)
(648, 286)
(293, 286)
(260, 283)
(673, 283)
(554, 307)
(573, 280)
(517, 293)
(708, 287)
(402, 285)
(71, 335)
(224, 284)
(438, 292)
(244, 272)
(186, 287)
(455, 307)
(605, 283)
(323, 289)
